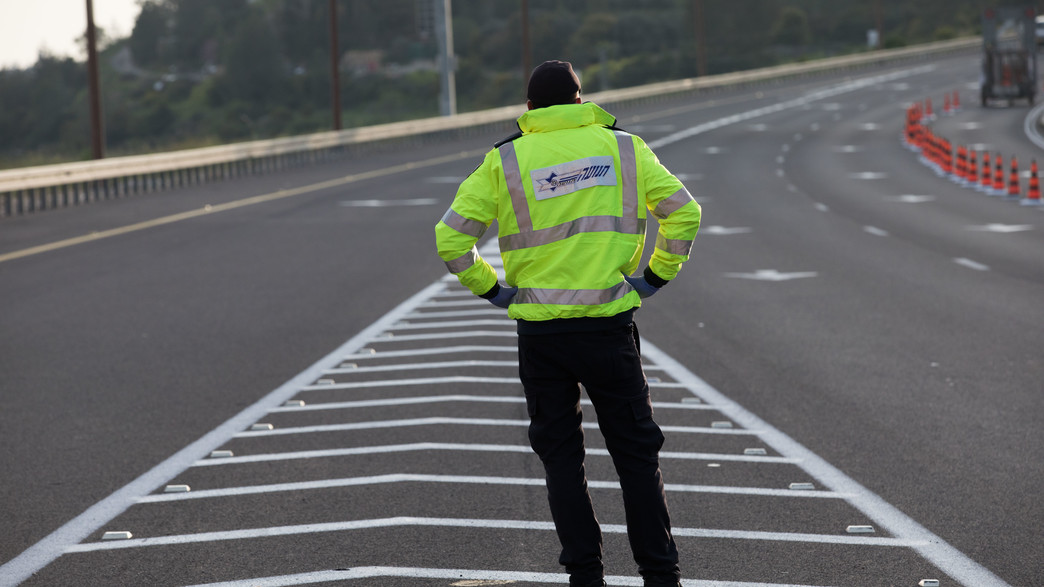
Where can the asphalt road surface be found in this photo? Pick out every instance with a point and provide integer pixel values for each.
(288, 390)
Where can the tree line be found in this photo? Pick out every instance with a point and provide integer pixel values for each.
(199, 72)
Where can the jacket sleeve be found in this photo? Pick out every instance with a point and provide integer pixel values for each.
(473, 210)
(675, 210)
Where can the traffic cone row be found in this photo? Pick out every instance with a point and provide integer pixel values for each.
(961, 165)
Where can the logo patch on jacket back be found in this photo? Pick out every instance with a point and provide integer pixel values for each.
(567, 178)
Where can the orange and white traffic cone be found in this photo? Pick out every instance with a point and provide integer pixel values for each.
(946, 105)
(998, 177)
(1033, 192)
(973, 169)
(960, 172)
(956, 104)
(1013, 179)
(986, 181)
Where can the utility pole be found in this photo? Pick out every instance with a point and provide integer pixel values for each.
(335, 73)
(527, 59)
(447, 62)
(97, 130)
(880, 27)
(701, 44)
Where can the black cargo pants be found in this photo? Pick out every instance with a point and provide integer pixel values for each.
(607, 363)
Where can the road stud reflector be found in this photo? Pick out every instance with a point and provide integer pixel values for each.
(177, 489)
(858, 529)
(220, 454)
(261, 426)
(754, 451)
(801, 486)
(117, 536)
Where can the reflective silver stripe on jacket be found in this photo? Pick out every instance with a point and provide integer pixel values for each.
(629, 174)
(463, 262)
(571, 297)
(673, 246)
(669, 205)
(463, 225)
(513, 178)
(533, 238)
(628, 223)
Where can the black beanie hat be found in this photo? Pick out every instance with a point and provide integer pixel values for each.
(553, 82)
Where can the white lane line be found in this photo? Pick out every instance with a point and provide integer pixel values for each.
(416, 366)
(875, 231)
(79, 528)
(477, 576)
(971, 264)
(446, 350)
(472, 301)
(445, 421)
(469, 334)
(430, 446)
(418, 381)
(463, 480)
(453, 324)
(434, 399)
(441, 380)
(953, 562)
(794, 103)
(403, 521)
(491, 311)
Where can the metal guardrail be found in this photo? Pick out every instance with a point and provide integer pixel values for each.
(33, 189)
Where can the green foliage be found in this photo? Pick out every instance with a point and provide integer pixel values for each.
(200, 72)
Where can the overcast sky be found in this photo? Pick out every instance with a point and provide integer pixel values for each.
(26, 26)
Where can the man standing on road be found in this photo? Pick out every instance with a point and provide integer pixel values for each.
(569, 193)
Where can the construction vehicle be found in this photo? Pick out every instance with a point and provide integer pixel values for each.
(1009, 60)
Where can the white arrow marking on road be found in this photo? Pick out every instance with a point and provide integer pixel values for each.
(772, 275)
(911, 199)
(1002, 227)
(722, 230)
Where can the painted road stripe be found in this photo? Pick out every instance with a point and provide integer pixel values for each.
(491, 311)
(971, 264)
(415, 366)
(441, 380)
(466, 480)
(428, 446)
(468, 334)
(453, 324)
(418, 381)
(433, 399)
(407, 521)
(446, 350)
(446, 421)
(478, 577)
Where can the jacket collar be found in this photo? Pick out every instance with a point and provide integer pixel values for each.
(564, 116)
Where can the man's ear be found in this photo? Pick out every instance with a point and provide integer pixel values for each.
(529, 104)
(578, 100)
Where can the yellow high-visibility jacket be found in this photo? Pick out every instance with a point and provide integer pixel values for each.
(570, 197)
